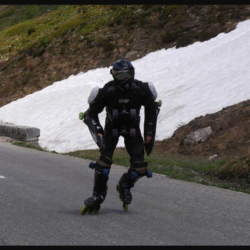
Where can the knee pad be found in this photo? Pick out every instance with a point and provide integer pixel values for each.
(103, 163)
(141, 167)
(135, 172)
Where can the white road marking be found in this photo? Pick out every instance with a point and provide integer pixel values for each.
(1, 177)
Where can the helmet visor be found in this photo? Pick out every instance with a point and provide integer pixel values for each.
(122, 74)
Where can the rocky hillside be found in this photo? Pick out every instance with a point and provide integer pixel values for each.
(230, 139)
(43, 44)
(68, 39)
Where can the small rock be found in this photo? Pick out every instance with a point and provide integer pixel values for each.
(212, 157)
(197, 136)
(129, 54)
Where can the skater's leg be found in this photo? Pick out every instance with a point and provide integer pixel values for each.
(92, 204)
(104, 162)
(110, 145)
(135, 149)
(100, 179)
(135, 146)
(129, 178)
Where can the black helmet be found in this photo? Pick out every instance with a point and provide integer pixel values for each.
(123, 73)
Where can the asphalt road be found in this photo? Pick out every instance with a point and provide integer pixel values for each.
(41, 196)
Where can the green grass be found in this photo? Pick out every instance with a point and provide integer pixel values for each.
(192, 169)
(27, 145)
(22, 26)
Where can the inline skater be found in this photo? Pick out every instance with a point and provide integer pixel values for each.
(122, 97)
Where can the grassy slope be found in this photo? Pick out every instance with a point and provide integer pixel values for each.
(19, 30)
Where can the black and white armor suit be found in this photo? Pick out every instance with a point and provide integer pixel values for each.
(123, 99)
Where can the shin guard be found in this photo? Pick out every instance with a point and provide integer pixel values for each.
(101, 179)
(135, 172)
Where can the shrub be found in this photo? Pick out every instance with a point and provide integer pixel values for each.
(7, 13)
(169, 37)
(170, 9)
(107, 46)
(31, 11)
(183, 41)
(39, 52)
(30, 31)
(44, 41)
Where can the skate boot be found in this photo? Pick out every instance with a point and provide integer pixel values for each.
(128, 180)
(93, 203)
(123, 189)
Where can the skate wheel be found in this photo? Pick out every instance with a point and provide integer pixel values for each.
(114, 132)
(160, 103)
(134, 175)
(115, 113)
(92, 165)
(81, 115)
(125, 206)
(84, 210)
(105, 171)
(117, 188)
(120, 197)
(132, 132)
(118, 191)
(133, 113)
(149, 174)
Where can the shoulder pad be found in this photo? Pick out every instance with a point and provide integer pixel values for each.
(137, 81)
(152, 89)
(110, 86)
(93, 94)
(136, 85)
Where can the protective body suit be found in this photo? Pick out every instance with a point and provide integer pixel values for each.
(123, 105)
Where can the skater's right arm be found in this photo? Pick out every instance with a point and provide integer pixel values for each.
(96, 102)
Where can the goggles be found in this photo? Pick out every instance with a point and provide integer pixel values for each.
(121, 75)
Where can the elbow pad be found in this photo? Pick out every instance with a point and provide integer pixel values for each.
(150, 128)
(93, 95)
(150, 121)
(93, 117)
(92, 121)
(152, 91)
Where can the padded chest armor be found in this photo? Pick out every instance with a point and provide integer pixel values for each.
(126, 106)
(116, 99)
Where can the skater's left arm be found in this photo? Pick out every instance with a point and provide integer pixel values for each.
(150, 95)
(148, 138)
(149, 123)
